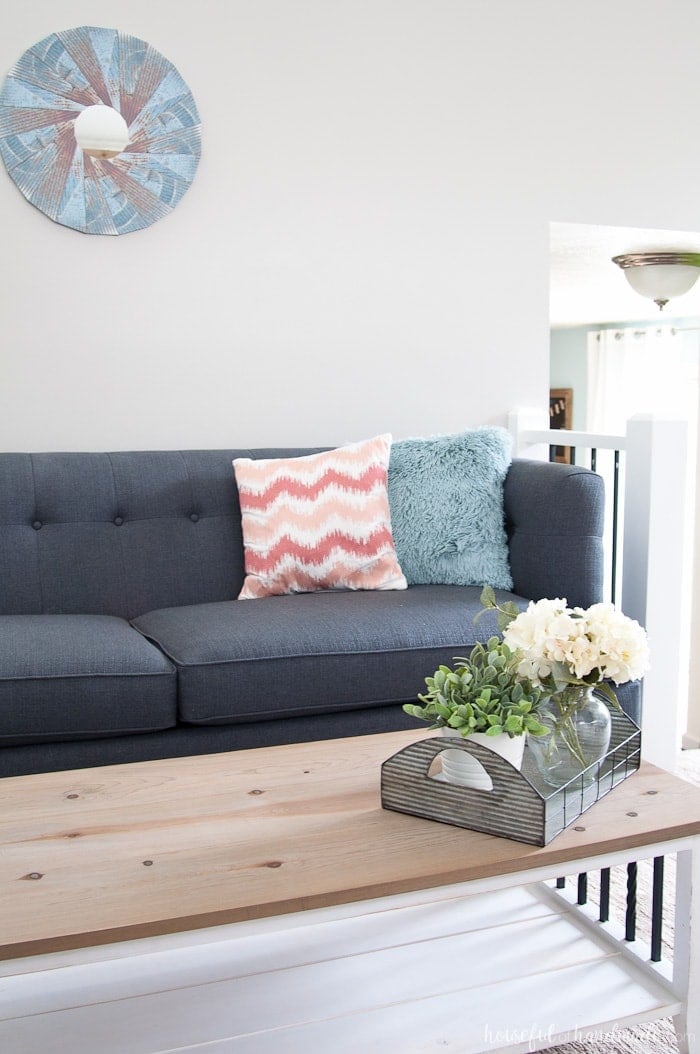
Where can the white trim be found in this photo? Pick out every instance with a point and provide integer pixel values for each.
(567, 437)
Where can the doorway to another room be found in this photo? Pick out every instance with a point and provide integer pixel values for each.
(615, 355)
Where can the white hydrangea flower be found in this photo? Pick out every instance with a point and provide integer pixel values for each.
(621, 641)
(599, 640)
(533, 632)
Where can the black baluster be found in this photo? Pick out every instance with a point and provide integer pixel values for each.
(616, 501)
(657, 909)
(561, 883)
(604, 894)
(582, 888)
(631, 914)
(594, 459)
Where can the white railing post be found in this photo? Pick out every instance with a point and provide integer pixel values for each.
(653, 573)
(691, 739)
(528, 420)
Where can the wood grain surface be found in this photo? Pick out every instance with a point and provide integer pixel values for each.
(93, 856)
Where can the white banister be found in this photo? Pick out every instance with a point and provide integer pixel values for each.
(654, 575)
(567, 437)
(654, 555)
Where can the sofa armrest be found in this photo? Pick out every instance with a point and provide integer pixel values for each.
(554, 519)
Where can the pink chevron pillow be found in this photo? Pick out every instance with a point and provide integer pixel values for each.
(318, 522)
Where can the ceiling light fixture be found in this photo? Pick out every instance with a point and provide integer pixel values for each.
(660, 276)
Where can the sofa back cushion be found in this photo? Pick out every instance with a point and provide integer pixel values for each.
(131, 532)
(119, 533)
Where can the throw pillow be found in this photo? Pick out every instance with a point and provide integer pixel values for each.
(320, 521)
(446, 500)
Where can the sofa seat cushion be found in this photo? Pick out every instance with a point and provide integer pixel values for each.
(73, 676)
(287, 656)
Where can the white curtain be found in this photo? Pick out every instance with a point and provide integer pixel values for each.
(647, 370)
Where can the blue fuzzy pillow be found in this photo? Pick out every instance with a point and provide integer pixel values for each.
(446, 501)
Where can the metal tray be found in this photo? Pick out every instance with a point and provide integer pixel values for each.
(520, 804)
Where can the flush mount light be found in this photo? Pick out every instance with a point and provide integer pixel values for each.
(660, 276)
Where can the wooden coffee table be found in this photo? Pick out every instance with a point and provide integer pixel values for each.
(269, 904)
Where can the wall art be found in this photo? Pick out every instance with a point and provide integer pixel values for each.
(98, 130)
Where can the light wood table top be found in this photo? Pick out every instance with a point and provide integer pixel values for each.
(93, 856)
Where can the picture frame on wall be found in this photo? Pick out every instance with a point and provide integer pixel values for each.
(561, 412)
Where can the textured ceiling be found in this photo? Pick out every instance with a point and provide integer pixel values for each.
(587, 288)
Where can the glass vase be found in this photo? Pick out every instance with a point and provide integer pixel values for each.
(579, 723)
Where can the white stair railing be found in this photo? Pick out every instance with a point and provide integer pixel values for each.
(655, 576)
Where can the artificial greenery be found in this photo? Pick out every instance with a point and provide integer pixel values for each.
(505, 613)
(482, 693)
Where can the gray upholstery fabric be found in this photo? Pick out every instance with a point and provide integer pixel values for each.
(313, 652)
(146, 530)
(70, 676)
(187, 740)
(190, 740)
(554, 517)
(161, 529)
(89, 540)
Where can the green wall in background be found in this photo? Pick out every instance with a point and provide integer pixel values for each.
(568, 367)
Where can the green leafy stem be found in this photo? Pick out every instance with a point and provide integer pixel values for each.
(481, 693)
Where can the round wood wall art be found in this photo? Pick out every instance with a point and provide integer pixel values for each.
(99, 131)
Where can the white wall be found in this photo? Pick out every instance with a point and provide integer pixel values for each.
(365, 246)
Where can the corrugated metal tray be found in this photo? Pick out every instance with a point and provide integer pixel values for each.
(520, 804)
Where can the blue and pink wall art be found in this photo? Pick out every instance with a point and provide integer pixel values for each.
(126, 182)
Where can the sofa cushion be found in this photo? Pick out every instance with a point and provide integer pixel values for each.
(73, 676)
(447, 515)
(318, 522)
(315, 652)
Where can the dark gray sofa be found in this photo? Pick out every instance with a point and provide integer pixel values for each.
(121, 638)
